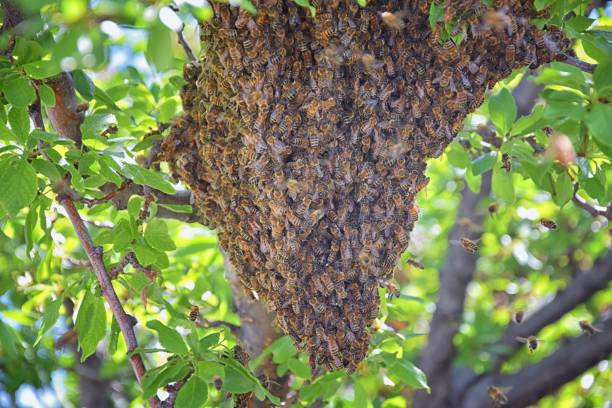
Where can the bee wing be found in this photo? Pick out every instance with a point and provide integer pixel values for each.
(522, 339)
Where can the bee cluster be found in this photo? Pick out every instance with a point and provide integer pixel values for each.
(304, 141)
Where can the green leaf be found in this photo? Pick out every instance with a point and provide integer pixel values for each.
(47, 137)
(599, 121)
(159, 46)
(248, 6)
(237, 382)
(299, 368)
(483, 163)
(50, 316)
(103, 97)
(208, 341)
(8, 342)
(502, 185)
(73, 10)
(173, 371)
(306, 4)
(157, 235)
(502, 110)
(122, 235)
(169, 338)
(145, 254)
(83, 84)
(17, 185)
(134, 206)
(19, 92)
(193, 394)
(408, 373)
(435, 13)
(457, 155)
(20, 122)
(42, 69)
(48, 169)
(90, 324)
(46, 95)
(603, 75)
(95, 124)
(167, 110)
(141, 175)
(564, 189)
(114, 337)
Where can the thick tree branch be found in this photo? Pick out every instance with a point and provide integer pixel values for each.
(537, 380)
(584, 286)
(257, 330)
(125, 321)
(455, 275)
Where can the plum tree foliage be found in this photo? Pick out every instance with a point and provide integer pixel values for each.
(112, 293)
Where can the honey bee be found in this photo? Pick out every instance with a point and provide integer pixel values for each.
(510, 53)
(493, 209)
(506, 162)
(518, 316)
(415, 263)
(194, 313)
(532, 342)
(587, 328)
(445, 78)
(467, 244)
(497, 395)
(394, 20)
(550, 224)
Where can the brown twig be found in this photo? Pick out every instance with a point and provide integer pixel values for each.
(595, 212)
(553, 47)
(126, 322)
(185, 45)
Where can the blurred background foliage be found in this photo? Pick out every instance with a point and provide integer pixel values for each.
(127, 64)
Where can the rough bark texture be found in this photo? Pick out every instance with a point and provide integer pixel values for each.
(305, 140)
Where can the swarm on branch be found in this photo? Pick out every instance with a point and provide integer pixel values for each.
(304, 143)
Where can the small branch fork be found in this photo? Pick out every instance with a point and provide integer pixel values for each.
(126, 322)
(595, 212)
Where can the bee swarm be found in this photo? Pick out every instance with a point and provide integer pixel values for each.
(304, 141)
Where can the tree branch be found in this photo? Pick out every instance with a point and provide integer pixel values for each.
(580, 289)
(455, 275)
(257, 330)
(595, 212)
(553, 47)
(537, 380)
(119, 198)
(125, 321)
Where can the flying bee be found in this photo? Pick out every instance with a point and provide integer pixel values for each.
(497, 395)
(493, 209)
(532, 342)
(415, 263)
(587, 328)
(392, 290)
(394, 20)
(550, 224)
(518, 316)
(467, 244)
(194, 313)
(506, 162)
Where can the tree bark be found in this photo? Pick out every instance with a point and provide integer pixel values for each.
(437, 357)
(538, 380)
